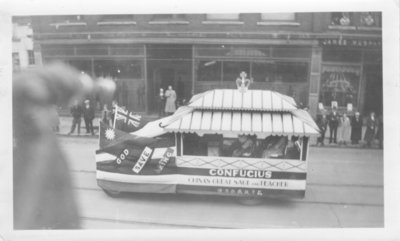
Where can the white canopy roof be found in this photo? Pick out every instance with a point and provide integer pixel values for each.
(231, 112)
(261, 124)
(233, 99)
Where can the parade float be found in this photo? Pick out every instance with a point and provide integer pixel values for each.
(233, 142)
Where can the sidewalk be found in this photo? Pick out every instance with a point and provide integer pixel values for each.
(66, 122)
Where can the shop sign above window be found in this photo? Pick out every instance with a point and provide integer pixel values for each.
(351, 42)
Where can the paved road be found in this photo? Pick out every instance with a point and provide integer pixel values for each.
(345, 189)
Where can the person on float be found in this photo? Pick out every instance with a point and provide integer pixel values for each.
(243, 146)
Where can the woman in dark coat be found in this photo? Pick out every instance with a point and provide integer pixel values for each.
(370, 131)
(356, 126)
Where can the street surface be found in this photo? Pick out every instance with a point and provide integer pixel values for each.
(344, 189)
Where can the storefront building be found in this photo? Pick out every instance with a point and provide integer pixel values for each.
(321, 59)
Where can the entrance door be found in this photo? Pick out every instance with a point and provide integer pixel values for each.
(167, 76)
(168, 65)
(373, 91)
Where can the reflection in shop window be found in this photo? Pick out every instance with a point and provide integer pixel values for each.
(232, 69)
(127, 74)
(339, 85)
(84, 66)
(209, 70)
(279, 72)
(341, 18)
(118, 69)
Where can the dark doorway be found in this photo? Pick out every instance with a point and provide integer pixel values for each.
(373, 90)
(167, 77)
(168, 65)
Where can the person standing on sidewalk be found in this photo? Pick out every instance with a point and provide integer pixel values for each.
(88, 116)
(106, 115)
(322, 123)
(370, 131)
(333, 121)
(76, 112)
(345, 129)
(170, 96)
(356, 126)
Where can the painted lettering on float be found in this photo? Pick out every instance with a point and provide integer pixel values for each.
(142, 159)
(241, 173)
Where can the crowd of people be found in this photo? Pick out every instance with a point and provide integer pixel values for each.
(346, 130)
(79, 110)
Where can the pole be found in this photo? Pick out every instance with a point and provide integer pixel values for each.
(115, 115)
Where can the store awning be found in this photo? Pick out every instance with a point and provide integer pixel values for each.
(243, 122)
(232, 99)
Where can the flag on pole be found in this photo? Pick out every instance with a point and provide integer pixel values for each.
(124, 119)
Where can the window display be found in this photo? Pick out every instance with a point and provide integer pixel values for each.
(339, 85)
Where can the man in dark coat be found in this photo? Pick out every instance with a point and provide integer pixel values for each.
(356, 126)
(333, 121)
(322, 123)
(76, 112)
(371, 128)
(88, 116)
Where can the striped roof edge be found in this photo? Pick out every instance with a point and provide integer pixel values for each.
(251, 100)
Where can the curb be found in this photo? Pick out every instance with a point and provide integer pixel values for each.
(95, 136)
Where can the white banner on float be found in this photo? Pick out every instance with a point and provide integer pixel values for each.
(204, 181)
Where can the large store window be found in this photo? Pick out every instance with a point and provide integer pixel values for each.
(84, 66)
(128, 76)
(231, 69)
(339, 85)
(209, 70)
(284, 69)
(279, 72)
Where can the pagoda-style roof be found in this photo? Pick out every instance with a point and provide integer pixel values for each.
(233, 112)
(250, 100)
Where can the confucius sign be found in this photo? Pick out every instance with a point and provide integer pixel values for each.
(142, 159)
